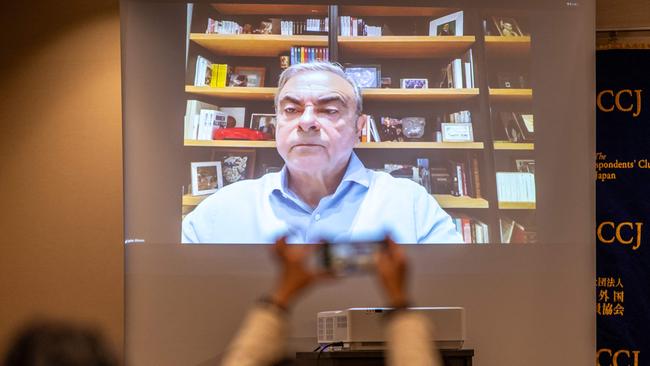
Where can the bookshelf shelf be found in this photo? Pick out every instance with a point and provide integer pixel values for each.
(392, 11)
(270, 9)
(364, 145)
(405, 46)
(189, 200)
(445, 201)
(506, 145)
(387, 94)
(248, 93)
(504, 205)
(230, 143)
(420, 95)
(449, 201)
(258, 45)
(497, 46)
(499, 95)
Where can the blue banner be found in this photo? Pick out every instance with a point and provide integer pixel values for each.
(622, 207)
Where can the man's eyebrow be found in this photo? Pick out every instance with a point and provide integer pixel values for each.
(290, 98)
(331, 98)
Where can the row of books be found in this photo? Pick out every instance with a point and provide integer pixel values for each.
(352, 26)
(472, 230)
(459, 73)
(298, 55)
(460, 117)
(223, 27)
(513, 232)
(201, 119)
(211, 74)
(292, 27)
(515, 187)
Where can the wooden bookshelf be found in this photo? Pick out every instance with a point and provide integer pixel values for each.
(420, 95)
(234, 93)
(387, 94)
(501, 47)
(230, 143)
(258, 45)
(271, 9)
(506, 145)
(363, 145)
(504, 205)
(444, 200)
(500, 95)
(449, 201)
(189, 200)
(392, 11)
(405, 46)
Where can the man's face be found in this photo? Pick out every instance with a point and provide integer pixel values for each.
(316, 122)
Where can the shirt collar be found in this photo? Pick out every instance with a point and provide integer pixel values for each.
(355, 172)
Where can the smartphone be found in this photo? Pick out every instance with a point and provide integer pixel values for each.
(350, 258)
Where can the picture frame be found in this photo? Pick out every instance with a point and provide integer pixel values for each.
(525, 165)
(236, 164)
(366, 76)
(512, 127)
(457, 132)
(265, 122)
(449, 25)
(254, 75)
(507, 26)
(207, 177)
(414, 83)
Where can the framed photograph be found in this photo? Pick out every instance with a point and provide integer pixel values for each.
(457, 132)
(236, 164)
(525, 165)
(366, 76)
(449, 25)
(512, 128)
(206, 177)
(238, 80)
(414, 83)
(386, 81)
(263, 122)
(254, 75)
(507, 27)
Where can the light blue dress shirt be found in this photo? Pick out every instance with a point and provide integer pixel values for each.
(365, 206)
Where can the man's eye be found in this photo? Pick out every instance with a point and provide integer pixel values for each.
(331, 111)
(290, 110)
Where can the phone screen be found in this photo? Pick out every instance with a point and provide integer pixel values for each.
(343, 259)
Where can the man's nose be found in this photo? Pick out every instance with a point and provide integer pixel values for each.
(308, 120)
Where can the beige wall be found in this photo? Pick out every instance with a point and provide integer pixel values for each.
(61, 165)
(622, 14)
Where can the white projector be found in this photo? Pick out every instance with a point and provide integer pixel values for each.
(362, 328)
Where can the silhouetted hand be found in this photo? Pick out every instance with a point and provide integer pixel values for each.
(295, 275)
(392, 270)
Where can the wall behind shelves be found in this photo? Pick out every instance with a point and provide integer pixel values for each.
(61, 252)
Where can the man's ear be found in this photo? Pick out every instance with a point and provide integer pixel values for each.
(360, 123)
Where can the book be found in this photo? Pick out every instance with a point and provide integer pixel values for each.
(192, 117)
(515, 187)
(203, 72)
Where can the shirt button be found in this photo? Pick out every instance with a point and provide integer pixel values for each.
(317, 217)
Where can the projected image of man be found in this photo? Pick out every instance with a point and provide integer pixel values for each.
(323, 191)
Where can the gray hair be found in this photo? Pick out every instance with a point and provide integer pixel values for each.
(334, 68)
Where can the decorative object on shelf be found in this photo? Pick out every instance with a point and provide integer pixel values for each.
(285, 62)
(366, 76)
(248, 29)
(237, 164)
(386, 81)
(414, 83)
(235, 116)
(525, 165)
(266, 27)
(265, 123)
(527, 125)
(206, 177)
(391, 129)
(254, 75)
(512, 128)
(507, 27)
(238, 80)
(239, 133)
(457, 132)
(449, 25)
(413, 127)
(510, 80)
(223, 27)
